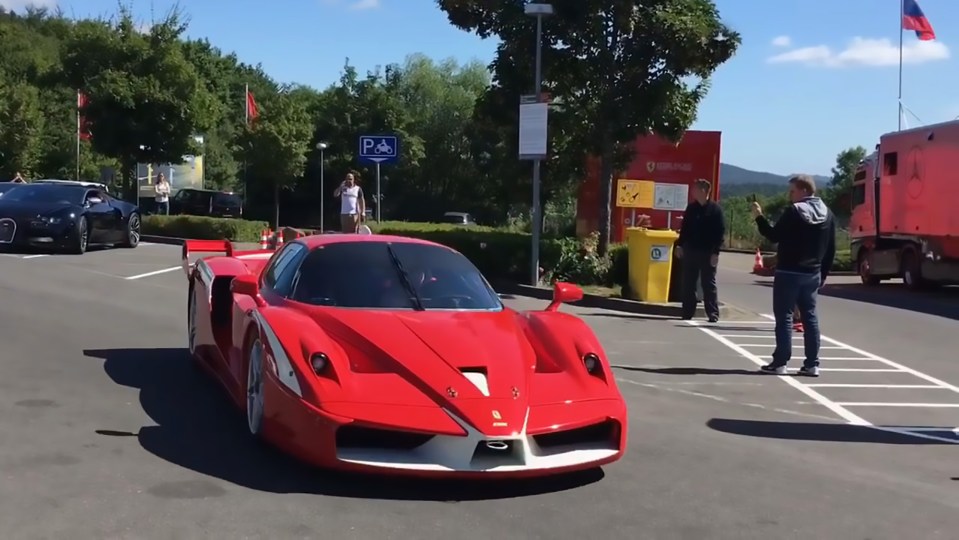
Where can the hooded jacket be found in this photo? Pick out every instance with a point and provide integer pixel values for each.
(806, 234)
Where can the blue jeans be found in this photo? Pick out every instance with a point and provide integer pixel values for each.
(789, 291)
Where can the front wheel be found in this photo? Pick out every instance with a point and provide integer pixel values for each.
(81, 237)
(255, 400)
(132, 237)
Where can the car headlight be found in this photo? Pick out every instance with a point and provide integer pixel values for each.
(591, 361)
(319, 361)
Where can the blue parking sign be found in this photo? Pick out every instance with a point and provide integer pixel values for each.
(379, 148)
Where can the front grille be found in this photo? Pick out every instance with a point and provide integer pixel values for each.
(603, 433)
(353, 436)
(8, 229)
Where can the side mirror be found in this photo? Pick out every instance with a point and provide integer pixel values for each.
(564, 293)
(246, 285)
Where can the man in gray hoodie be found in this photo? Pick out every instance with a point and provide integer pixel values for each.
(806, 238)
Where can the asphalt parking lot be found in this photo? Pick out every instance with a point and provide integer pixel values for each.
(108, 432)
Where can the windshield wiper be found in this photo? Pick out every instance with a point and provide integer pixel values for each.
(417, 301)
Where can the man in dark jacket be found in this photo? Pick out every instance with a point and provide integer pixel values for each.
(806, 234)
(700, 238)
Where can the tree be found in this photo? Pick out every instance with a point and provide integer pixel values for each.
(146, 102)
(840, 185)
(278, 143)
(22, 128)
(621, 68)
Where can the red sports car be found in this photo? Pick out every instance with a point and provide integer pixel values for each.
(391, 354)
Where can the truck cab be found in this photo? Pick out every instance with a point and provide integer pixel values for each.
(902, 224)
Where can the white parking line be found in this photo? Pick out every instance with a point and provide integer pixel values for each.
(839, 408)
(155, 272)
(35, 256)
(884, 404)
(883, 386)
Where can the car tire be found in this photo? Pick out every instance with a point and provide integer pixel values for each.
(132, 238)
(81, 237)
(255, 400)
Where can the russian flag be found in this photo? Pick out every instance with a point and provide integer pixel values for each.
(914, 19)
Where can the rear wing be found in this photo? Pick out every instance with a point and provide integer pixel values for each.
(224, 247)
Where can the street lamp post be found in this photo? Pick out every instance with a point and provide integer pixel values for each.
(321, 146)
(539, 11)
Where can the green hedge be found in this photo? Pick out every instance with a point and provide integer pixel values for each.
(203, 228)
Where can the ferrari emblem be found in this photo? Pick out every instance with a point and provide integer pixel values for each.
(515, 392)
(497, 415)
(650, 166)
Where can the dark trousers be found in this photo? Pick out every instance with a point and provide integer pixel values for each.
(696, 267)
(163, 208)
(789, 291)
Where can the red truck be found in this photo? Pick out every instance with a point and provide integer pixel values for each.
(905, 220)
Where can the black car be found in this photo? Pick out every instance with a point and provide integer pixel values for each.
(7, 186)
(206, 202)
(67, 217)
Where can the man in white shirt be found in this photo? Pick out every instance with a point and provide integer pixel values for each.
(352, 204)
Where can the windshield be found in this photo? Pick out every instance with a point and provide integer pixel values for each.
(398, 275)
(46, 193)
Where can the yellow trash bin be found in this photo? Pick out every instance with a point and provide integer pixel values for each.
(650, 263)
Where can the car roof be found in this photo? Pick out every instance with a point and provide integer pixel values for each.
(70, 183)
(318, 240)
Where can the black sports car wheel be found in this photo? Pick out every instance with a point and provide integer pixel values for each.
(81, 237)
(191, 322)
(254, 389)
(132, 239)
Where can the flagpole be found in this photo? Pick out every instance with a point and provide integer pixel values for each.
(902, 13)
(78, 136)
(246, 118)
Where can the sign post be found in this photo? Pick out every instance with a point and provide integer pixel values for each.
(379, 149)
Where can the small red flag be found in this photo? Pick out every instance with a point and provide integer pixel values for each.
(252, 110)
(83, 125)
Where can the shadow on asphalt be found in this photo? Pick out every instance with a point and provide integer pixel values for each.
(690, 371)
(813, 431)
(199, 429)
(943, 302)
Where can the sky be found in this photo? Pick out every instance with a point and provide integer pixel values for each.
(812, 77)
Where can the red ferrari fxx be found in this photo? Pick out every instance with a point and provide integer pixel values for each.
(392, 354)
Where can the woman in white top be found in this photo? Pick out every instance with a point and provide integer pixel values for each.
(352, 205)
(162, 195)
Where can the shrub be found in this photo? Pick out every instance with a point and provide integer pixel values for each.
(203, 228)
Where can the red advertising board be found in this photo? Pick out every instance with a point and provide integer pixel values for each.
(658, 160)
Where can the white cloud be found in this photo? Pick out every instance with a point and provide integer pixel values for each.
(365, 4)
(865, 52)
(20, 5)
(782, 41)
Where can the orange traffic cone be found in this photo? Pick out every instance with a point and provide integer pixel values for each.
(265, 239)
(758, 264)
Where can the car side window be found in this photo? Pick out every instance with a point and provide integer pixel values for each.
(279, 275)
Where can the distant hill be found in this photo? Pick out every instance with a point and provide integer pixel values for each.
(731, 174)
